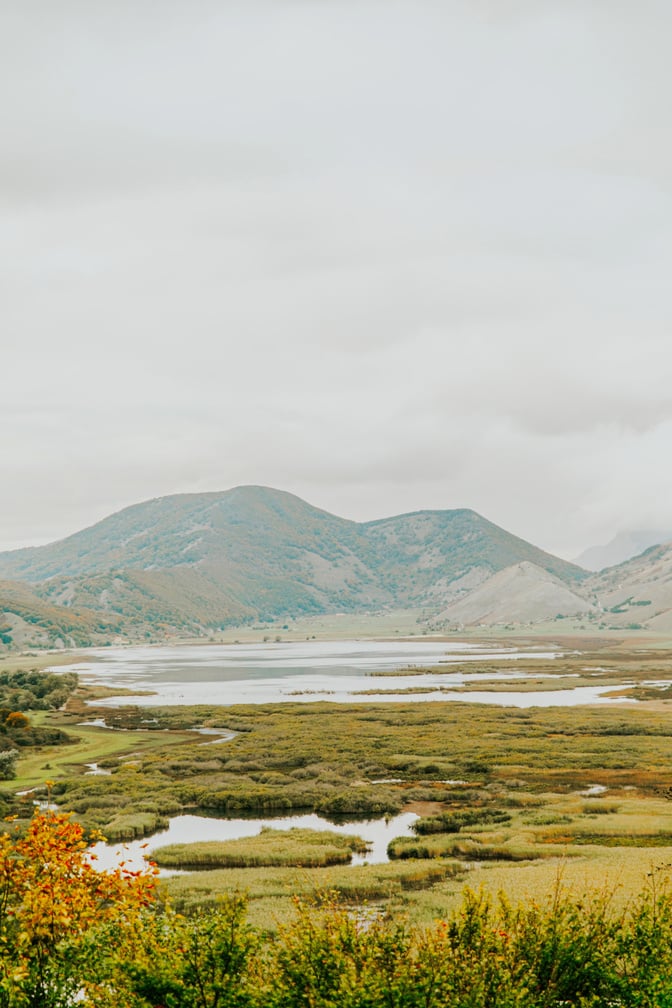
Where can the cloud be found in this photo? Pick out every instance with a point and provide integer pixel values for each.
(386, 255)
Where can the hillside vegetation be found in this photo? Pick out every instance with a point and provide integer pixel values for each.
(191, 562)
(194, 564)
(28, 619)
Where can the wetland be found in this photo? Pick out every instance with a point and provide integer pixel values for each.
(500, 794)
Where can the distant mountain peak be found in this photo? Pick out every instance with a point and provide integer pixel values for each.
(622, 547)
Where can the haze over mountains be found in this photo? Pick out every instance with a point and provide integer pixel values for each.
(193, 563)
(622, 547)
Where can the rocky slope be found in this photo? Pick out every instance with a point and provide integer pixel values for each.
(637, 592)
(633, 595)
(523, 593)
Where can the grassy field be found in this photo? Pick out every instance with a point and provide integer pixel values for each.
(26, 662)
(330, 626)
(524, 794)
(271, 891)
(89, 745)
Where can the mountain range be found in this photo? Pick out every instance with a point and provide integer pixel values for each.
(193, 563)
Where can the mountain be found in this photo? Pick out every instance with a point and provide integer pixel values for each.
(27, 620)
(522, 593)
(637, 592)
(194, 561)
(622, 547)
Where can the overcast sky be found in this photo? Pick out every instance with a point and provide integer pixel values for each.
(385, 255)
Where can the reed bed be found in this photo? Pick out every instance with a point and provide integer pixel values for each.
(276, 888)
(294, 848)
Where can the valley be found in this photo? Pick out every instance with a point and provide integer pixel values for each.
(507, 796)
(273, 678)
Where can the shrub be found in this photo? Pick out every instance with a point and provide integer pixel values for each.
(50, 891)
(8, 760)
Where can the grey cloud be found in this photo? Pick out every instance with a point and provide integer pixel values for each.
(384, 255)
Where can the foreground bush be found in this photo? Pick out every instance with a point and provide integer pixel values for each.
(168, 961)
(72, 936)
(564, 953)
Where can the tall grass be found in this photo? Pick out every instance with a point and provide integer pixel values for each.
(300, 848)
(276, 887)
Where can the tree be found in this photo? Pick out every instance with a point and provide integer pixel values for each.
(17, 720)
(50, 891)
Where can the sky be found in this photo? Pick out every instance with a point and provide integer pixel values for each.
(384, 254)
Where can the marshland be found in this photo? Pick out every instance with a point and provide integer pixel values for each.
(504, 797)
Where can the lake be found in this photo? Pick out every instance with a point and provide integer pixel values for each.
(192, 828)
(305, 671)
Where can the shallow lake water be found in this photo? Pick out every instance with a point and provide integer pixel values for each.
(307, 671)
(193, 828)
(336, 671)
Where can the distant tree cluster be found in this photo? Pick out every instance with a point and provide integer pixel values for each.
(27, 691)
(33, 690)
(16, 730)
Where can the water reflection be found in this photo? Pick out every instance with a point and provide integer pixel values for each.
(193, 828)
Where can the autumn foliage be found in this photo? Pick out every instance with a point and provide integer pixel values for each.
(73, 937)
(50, 893)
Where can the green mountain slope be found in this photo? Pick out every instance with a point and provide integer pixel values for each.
(26, 619)
(204, 560)
(433, 555)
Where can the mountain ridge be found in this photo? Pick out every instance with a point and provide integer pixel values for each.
(633, 595)
(193, 561)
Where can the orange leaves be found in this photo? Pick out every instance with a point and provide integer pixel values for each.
(50, 897)
(17, 720)
(50, 889)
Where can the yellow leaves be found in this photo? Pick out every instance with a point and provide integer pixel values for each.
(53, 888)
